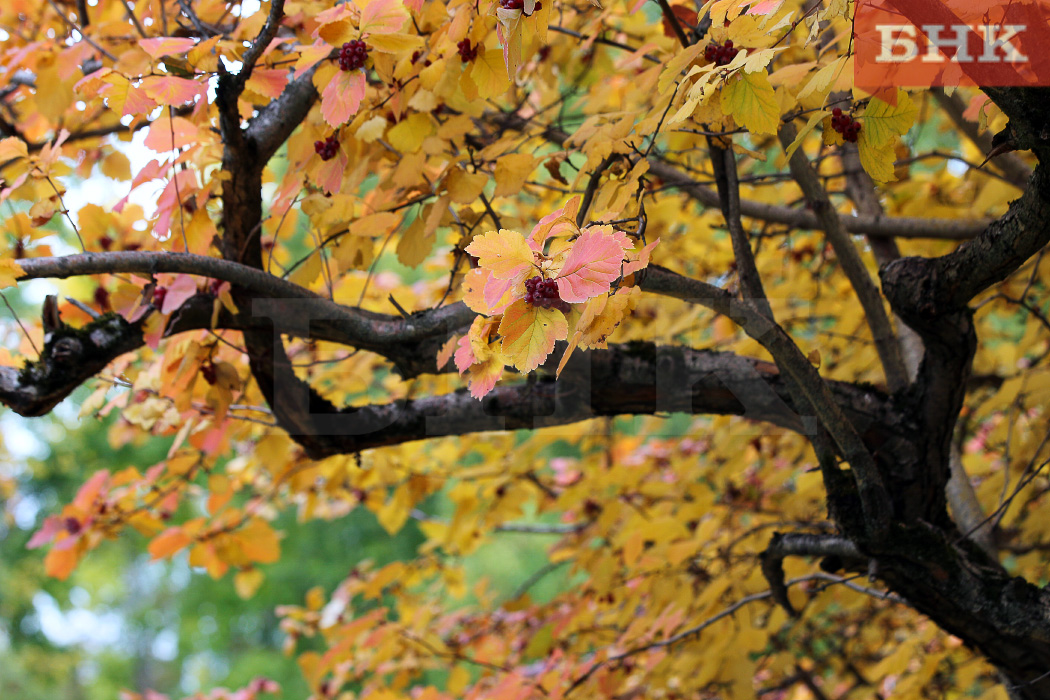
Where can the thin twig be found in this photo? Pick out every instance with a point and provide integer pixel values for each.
(19, 322)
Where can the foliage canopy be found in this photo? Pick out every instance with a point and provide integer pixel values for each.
(786, 342)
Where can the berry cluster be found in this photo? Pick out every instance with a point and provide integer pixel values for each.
(327, 148)
(467, 52)
(353, 55)
(544, 293)
(721, 54)
(845, 125)
(512, 4)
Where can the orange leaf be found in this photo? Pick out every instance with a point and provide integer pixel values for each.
(168, 542)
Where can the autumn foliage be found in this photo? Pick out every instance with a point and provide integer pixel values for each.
(762, 358)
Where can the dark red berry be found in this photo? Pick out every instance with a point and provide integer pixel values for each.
(415, 56)
(544, 293)
(720, 54)
(543, 53)
(467, 53)
(102, 299)
(512, 4)
(353, 55)
(837, 111)
(208, 372)
(105, 242)
(327, 148)
(158, 296)
(72, 525)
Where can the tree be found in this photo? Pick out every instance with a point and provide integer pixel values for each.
(647, 209)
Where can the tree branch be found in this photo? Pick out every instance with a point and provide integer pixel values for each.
(801, 544)
(724, 164)
(850, 260)
(899, 227)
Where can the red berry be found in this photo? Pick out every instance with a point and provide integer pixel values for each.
(105, 242)
(512, 4)
(158, 296)
(327, 148)
(415, 56)
(208, 372)
(466, 52)
(729, 43)
(353, 55)
(102, 299)
(837, 112)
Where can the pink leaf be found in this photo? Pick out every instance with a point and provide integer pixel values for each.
(638, 259)
(51, 527)
(342, 97)
(464, 354)
(166, 46)
(561, 221)
(184, 287)
(592, 265)
(170, 90)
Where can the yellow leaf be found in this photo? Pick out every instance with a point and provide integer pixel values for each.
(815, 119)
(751, 101)
(876, 160)
(9, 272)
(407, 136)
(529, 333)
(489, 75)
(414, 246)
(676, 65)
(371, 130)
(247, 582)
(395, 43)
(820, 84)
(512, 170)
(882, 121)
(504, 253)
(116, 166)
(13, 147)
(464, 187)
(259, 542)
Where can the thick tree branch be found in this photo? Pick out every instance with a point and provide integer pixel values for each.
(921, 288)
(389, 335)
(870, 487)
